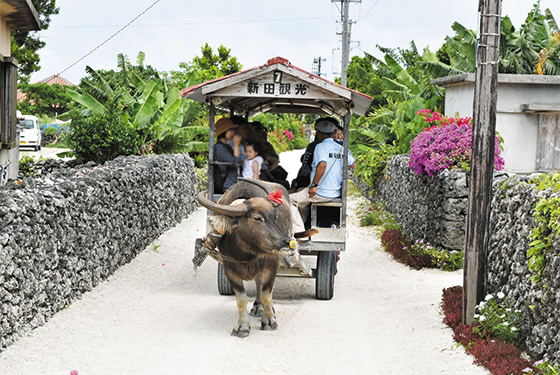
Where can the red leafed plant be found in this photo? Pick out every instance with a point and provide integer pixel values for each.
(399, 247)
(499, 357)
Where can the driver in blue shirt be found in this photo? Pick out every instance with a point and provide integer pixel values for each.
(326, 175)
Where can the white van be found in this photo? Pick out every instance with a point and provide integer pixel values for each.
(30, 134)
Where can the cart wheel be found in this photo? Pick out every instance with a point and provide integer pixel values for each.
(224, 287)
(326, 268)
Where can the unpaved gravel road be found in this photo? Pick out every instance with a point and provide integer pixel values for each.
(153, 317)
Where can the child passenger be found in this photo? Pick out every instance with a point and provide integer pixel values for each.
(252, 165)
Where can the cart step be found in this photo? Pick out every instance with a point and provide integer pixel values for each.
(291, 259)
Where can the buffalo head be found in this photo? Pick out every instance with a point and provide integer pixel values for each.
(252, 224)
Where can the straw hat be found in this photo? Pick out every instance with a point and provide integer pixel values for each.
(223, 125)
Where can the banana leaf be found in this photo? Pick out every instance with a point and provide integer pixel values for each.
(86, 100)
(402, 75)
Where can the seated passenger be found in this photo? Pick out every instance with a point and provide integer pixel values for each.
(253, 162)
(326, 175)
(243, 129)
(271, 169)
(303, 178)
(225, 176)
(259, 137)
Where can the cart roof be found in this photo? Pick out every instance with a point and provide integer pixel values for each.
(279, 87)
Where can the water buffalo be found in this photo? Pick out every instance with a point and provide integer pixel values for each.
(254, 231)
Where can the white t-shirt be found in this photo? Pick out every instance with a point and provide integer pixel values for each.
(248, 167)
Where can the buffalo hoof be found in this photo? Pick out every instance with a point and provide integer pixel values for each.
(241, 330)
(269, 324)
(257, 310)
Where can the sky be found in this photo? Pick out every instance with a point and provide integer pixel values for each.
(173, 31)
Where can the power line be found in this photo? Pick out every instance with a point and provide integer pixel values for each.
(373, 6)
(111, 37)
(195, 23)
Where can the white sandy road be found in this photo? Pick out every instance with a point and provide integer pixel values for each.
(153, 317)
(44, 152)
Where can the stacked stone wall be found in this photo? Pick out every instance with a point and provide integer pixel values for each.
(435, 209)
(432, 209)
(65, 232)
(513, 206)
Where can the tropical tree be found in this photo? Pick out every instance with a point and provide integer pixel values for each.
(206, 67)
(42, 99)
(407, 89)
(150, 106)
(363, 77)
(534, 48)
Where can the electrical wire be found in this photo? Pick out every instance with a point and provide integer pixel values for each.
(111, 37)
(198, 23)
(370, 9)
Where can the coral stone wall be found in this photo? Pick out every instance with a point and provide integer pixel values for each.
(63, 233)
(508, 270)
(433, 209)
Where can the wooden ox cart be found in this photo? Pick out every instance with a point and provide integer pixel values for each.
(280, 87)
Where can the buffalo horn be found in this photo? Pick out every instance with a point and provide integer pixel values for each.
(222, 209)
(263, 185)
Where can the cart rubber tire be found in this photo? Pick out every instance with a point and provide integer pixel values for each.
(224, 286)
(326, 268)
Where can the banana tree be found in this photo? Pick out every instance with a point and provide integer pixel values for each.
(150, 105)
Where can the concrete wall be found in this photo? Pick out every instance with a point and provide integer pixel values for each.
(519, 129)
(64, 233)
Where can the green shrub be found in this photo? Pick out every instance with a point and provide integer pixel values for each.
(376, 215)
(547, 229)
(441, 258)
(285, 132)
(27, 166)
(102, 137)
(498, 318)
(370, 166)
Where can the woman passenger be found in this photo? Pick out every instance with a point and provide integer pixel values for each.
(225, 176)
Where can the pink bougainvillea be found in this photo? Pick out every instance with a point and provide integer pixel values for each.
(447, 144)
(289, 135)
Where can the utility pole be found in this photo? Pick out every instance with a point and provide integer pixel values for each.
(345, 41)
(317, 65)
(346, 32)
(483, 145)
